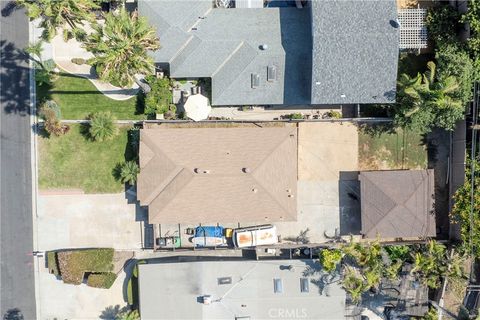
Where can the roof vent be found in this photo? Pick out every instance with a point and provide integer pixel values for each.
(290, 196)
(207, 299)
(206, 171)
(254, 190)
(255, 80)
(271, 73)
(343, 95)
(263, 46)
(246, 170)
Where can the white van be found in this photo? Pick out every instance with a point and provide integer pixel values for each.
(255, 236)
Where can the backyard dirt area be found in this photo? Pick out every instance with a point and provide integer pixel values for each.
(83, 221)
(385, 150)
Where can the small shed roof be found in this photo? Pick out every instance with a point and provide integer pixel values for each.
(397, 203)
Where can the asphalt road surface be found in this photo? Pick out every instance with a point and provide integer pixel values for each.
(16, 232)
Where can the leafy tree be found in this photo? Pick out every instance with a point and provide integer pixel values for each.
(102, 126)
(120, 47)
(442, 24)
(129, 172)
(329, 259)
(473, 18)
(426, 101)
(453, 60)
(60, 14)
(462, 209)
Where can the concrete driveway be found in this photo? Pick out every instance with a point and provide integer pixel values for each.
(88, 220)
(327, 161)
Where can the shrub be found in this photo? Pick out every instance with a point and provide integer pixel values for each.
(159, 99)
(78, 61)
(73, 264)
(134, 139)
(52, 263)
(101, 280)
(102, 126)
(442, 24)
(332, 114)
(398, 253)
(329, 258)
(129, 172)
(130, 291)
(52, 125)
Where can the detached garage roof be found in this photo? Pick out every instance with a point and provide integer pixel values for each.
(192, 175)
(397, 203)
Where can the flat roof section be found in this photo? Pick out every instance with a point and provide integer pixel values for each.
(256, 289)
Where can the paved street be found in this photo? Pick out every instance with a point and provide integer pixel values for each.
(17, 270)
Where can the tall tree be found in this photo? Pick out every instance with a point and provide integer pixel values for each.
(56, 14)
(426, 101)
(121, 47)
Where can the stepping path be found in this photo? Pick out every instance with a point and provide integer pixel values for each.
(63, 52)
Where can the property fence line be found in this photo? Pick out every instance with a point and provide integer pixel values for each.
(141, 122)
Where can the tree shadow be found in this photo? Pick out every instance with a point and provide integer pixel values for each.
(13, 314)
(113, 312)
(15, 74)
(9, 8)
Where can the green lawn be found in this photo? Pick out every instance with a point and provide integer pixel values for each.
(401, 149)
(78, 97)
(73, 161)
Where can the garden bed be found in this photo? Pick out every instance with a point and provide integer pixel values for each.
(78, 98)
(73, 161)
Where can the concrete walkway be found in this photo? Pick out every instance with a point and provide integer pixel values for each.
(63, 52)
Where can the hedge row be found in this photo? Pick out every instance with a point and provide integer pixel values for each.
(72, 265)
(101, 280)
(52, 263)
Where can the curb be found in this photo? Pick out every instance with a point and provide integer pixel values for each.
(34, 173)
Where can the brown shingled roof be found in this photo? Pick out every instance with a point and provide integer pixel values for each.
(397, 203)
(192, 175)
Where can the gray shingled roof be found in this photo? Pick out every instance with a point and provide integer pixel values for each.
(397, 203)
(225, 46)
(355, 51)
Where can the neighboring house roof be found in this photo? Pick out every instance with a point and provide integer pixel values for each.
(226, 46)
(192, 175)
(355, 51)
(176, 290)
(397, 203)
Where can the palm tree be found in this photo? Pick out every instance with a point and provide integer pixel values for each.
(102, 126)
(129, 172)
(429, 97)
(354, 285)
(57, 14)
(120, 47)
(34, 51)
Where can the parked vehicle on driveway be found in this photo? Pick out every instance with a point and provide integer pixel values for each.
(209, 236)
(255, 236)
